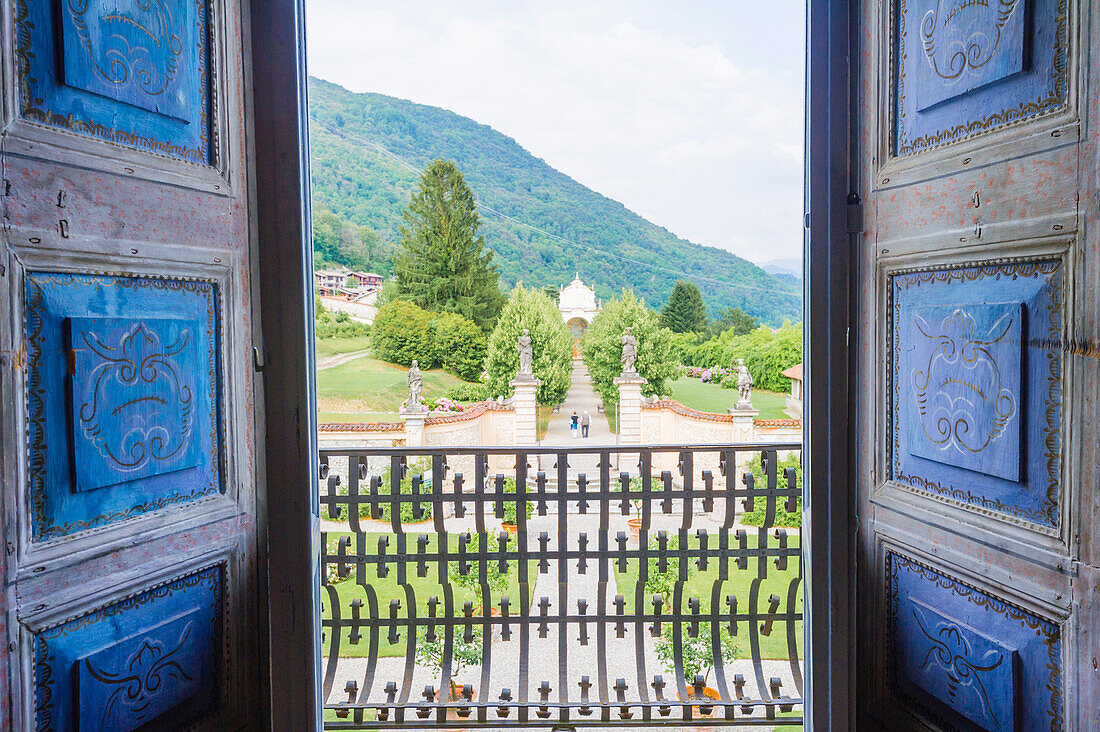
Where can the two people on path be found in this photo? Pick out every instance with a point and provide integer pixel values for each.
(584, 422)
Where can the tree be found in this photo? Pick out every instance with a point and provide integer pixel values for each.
(736, 320)
(602, 347)
(684, 312)
(552, 345)
(442, 263)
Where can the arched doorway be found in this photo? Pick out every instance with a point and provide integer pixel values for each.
(577, 326)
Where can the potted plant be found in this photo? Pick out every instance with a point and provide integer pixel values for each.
(464, 654)
(695, 659)
(511, 508)
(635, 521)
(497, 580)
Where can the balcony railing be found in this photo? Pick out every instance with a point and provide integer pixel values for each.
(628, 586)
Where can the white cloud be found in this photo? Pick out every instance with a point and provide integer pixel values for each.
(680, 129)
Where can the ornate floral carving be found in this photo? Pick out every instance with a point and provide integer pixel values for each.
(130, 45)
(963, 35)
(148, 673)
(139, 406)
(960, 393)
(951, 653)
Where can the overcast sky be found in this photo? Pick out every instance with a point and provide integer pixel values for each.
(688, 112)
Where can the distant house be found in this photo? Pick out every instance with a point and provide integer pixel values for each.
(363, 281)
(346, 284)
(794, 399)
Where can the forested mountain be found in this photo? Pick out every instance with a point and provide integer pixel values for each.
(360, 143)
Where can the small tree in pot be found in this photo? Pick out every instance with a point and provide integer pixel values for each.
(697, 655)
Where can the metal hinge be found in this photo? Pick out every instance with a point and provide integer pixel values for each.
(258, 359)
(855, 213)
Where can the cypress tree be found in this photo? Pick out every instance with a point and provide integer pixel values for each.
(442, 263)
(684, 312)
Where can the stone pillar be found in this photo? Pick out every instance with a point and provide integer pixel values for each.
(743, 431)
(526, 422)
(414, 427)
(630, 408)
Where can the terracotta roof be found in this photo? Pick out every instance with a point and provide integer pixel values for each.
(794, 372)
(679, 408)
(361, 427)
(471, 412)
(778, 422)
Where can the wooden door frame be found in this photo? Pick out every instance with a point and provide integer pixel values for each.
(286, 413)
(287, 498)
(833, 220)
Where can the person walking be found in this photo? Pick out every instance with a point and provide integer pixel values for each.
(586, 422)
(573, 424)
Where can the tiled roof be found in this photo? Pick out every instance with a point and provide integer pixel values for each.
(778, 422)
(794, 372)
(361, 427)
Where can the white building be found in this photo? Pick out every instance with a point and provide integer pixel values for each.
(578, 305)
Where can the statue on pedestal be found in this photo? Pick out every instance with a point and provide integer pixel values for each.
(416, 386)
(526, 354)
(630, 352)
(744, 385)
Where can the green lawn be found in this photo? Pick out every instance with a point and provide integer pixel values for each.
(713, 398)
(700, 584)
(388, 588)
(370, 385)
(335, 346)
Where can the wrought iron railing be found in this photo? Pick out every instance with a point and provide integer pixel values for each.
(435, 616)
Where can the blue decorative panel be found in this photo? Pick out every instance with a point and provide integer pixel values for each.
(133, 386)
(963, 366)
(971, 673)
(964, 67)
(151, 661)
(122, 398)
(135, 73)
(966, 658)
(976, 386)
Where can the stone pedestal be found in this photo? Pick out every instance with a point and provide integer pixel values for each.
(414, 427)
(526, 424)
(630, 408)
(743, 431)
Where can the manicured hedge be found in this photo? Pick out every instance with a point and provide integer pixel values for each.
(403, 332)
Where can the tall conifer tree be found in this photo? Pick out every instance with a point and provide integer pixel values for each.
(684, 312)
(442, 264)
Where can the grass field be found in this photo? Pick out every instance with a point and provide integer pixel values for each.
(713, 398)
(335, 346)
(388, 589)
(700, 584)
(358, 417)
(370, 385)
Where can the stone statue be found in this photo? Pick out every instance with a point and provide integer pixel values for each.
(630, 352)
(526, 354)
(744, 385)
(416, 385)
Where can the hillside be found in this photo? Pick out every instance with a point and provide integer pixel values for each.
(355, 138)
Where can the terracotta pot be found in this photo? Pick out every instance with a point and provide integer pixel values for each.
(452, 714)
(510, 528)
(635, 526)
(708, 693)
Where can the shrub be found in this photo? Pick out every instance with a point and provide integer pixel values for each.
(602, 347)
(346, 329)
(475, 392)
(756, 516)
(458, 345)
(766, 354)
(404, 332)
(550, 339)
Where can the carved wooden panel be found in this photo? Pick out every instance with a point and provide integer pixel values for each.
(122, 397)
(976, 386)
(965, 68)
(966, 658)
(150, 661)
(138, 74)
